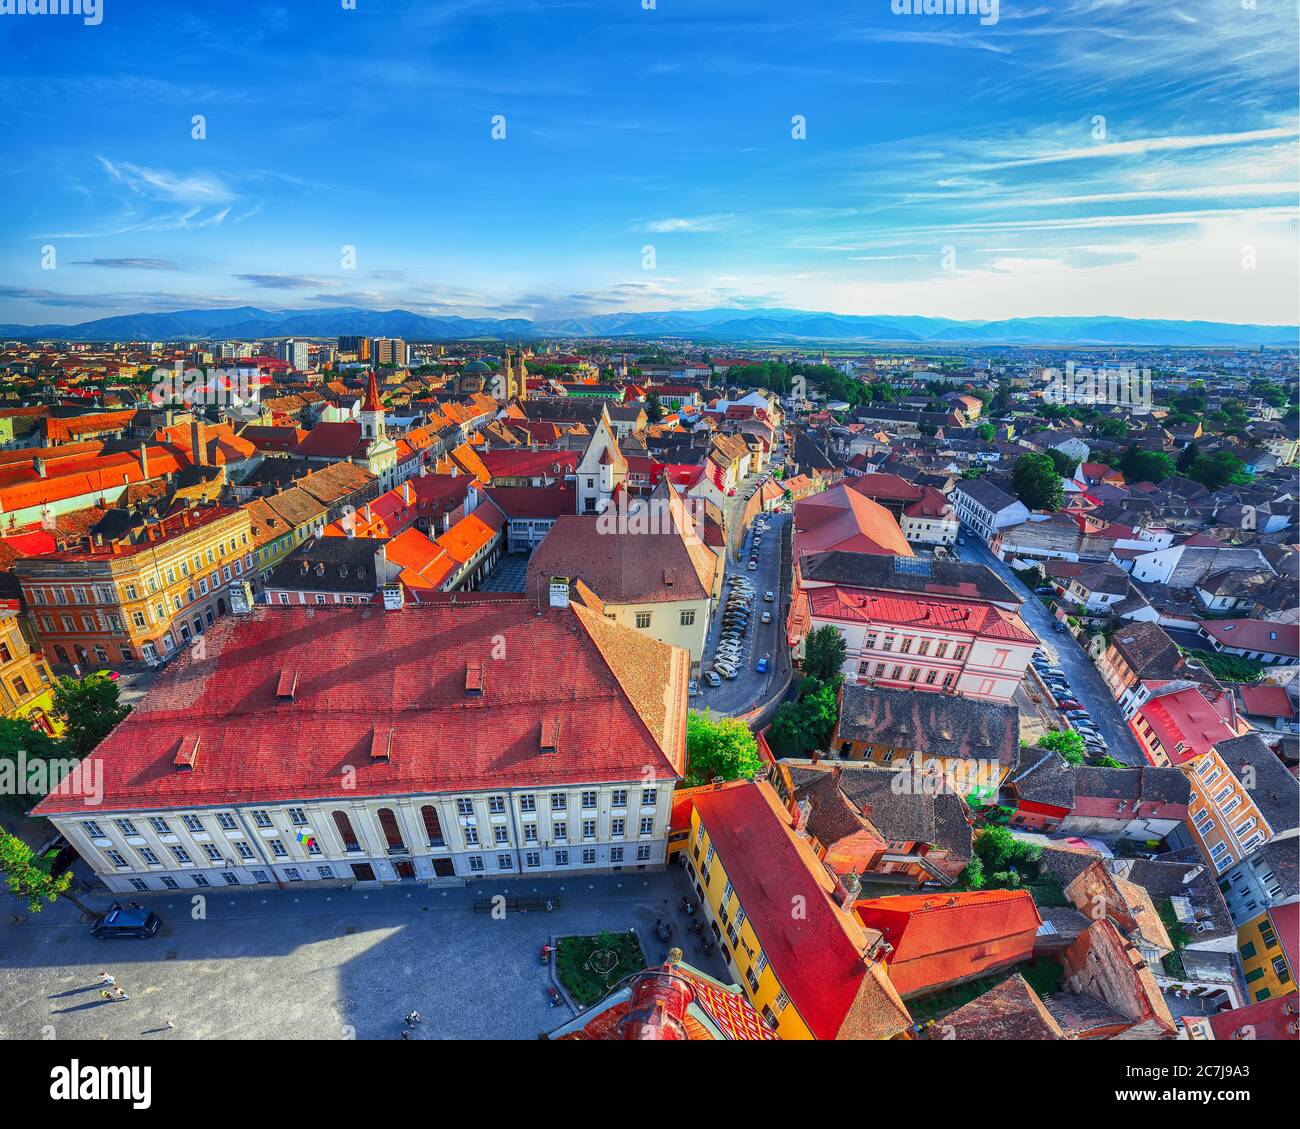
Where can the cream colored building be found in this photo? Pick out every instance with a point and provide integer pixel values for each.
(595, 829)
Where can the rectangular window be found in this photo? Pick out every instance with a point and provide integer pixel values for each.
(277, 849)
(149, 857)
(688, 617)
(532, 858)
(643, 619)
(648, 825)
(588, 856)
(528, 803)
(643, 853)
(181, 855)
(561, 858)
(476, 863)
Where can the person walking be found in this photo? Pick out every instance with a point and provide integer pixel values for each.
(105, 978)
(118, 993)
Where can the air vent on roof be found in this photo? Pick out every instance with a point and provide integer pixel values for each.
(187, 752)
(670, 577)
(473, 678)
(381, 746)
(549, 741)
(287, 684)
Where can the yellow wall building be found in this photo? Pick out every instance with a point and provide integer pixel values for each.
(1267, 947)
(784, 925)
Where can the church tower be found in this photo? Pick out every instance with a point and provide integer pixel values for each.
(371, 416)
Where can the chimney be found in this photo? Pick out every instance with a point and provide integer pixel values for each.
(198, 442)
(801, 812)
(381, 563)
(847, 891)
(38, 465)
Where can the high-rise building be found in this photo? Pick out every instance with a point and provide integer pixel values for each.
(389, 351)
(295, 352)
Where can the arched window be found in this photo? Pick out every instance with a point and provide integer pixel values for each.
(432, 826)
(392, 833)
(344, 825)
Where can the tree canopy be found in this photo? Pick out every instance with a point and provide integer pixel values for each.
(89, 709)
(1146, 466)
(825, 650)
(1037, 483)
(719, 748)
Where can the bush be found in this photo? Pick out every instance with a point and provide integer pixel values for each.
(585, 984)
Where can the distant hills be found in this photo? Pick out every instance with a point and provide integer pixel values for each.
(727, 324)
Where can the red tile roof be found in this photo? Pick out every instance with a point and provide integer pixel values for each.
(1255, 635)
(1267, 701)
(620, 707)
(1273, 1019)
(870, 605)
(841, 518)
(817, 955)
(1186, 722)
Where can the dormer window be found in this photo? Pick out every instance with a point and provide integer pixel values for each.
(474, 679)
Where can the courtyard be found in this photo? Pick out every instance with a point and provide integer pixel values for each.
(324, 964)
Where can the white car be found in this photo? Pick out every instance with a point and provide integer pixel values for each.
(753, 565)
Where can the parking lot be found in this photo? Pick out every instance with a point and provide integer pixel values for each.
(324, 964)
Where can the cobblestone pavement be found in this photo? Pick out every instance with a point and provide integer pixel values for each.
(323, 964)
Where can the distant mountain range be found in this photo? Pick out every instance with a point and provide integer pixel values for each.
(779, 326)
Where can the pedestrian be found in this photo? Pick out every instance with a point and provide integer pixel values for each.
(121, 995)
(170, 1024)
(106, 995)
(105, 978)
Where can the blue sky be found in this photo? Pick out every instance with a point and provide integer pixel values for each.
(949, 168)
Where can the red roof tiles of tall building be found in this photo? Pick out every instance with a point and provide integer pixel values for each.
(818, 956)
(620, 708)
(870, 605)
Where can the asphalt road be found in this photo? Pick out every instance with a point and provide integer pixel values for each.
(749, 688)
(1080, 672)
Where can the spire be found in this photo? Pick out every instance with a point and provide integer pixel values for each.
(372, 403)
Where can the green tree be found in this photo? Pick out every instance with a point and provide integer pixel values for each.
(998, 849)
(1188, 458)
(654, 410)
(824, 653)
(801, 726)
(89, 710)
(1111, 428)
(1146, 466)
(719, 748)
(1066, 742)
(1065, 466)
(1219, 469)
(28, 878)
(1036, 483)
(987, 432)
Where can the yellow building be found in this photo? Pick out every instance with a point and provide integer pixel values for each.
(1267, 947)
(784, 924)
(26, 685)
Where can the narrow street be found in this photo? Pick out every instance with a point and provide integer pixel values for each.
(749, 688)
(1080, 672)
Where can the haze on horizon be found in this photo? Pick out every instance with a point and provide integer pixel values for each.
(949, 169)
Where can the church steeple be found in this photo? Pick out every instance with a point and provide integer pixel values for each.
(371, 416)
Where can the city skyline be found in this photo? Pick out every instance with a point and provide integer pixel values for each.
(1089, 160)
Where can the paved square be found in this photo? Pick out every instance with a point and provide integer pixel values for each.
(325, 964)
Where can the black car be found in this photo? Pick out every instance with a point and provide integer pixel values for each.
(134, 921)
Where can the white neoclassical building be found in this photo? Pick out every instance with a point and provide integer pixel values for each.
(478, 735)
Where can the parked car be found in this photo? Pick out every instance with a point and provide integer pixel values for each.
(1074, 714)
(1068, 704)
(753, 565)
(1045, 590)
(712, 678)
(133, 921)
(692, 688)
(767, 617)
(769, 597)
